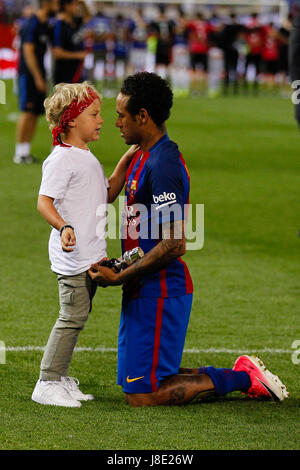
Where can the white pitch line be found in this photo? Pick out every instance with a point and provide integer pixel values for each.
(104, 349)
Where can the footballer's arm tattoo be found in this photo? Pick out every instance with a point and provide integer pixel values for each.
(169, 248)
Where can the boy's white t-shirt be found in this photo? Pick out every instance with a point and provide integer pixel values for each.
(75, 179)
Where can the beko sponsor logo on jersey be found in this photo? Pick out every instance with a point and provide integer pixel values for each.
(164, 199)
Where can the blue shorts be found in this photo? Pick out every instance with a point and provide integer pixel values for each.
(151, 339)
(30, 98)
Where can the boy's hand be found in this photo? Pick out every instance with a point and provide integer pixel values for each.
(131, 151)
(68, 239)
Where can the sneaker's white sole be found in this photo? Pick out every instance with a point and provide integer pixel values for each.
(23, 160)
(42, 401)
(277, 388)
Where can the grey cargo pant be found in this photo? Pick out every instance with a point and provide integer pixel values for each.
(75, 298)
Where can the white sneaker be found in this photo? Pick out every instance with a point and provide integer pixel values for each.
(72, 385)
(25, 159)
(50, 392)
(19, 160)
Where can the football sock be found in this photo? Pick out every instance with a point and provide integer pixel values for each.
(22, 149)
(227, 380)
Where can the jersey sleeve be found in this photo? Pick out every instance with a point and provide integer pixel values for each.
(167, 189)
(58, 35)
(56, 175)
(30, 31)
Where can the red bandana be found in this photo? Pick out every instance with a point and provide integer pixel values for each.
(71, 112)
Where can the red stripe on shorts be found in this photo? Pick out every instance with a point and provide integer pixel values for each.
(158, 324)
(188, 279)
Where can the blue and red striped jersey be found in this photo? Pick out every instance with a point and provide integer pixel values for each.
(157, 191)
(35, 32)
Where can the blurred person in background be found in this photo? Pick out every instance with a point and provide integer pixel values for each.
(138, 48)
(254, 39)
(228, 41)
(284, 35)
(122, 28)
(34, 41)
(270, 54)
(180, 66)
(26, 13)
(99, 27)
(164, 29)
(198, 37)
(68, 42)
(117, 46)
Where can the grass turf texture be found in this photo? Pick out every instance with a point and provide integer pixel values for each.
(243, 157)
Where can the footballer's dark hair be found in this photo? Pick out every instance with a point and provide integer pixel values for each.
(151, 92)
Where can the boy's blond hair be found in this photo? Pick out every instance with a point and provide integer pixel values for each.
(62, 97)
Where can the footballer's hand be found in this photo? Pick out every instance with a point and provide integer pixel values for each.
(104, 276)
(41, 84)
(68, 239)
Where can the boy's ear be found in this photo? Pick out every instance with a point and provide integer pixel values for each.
(72, 123)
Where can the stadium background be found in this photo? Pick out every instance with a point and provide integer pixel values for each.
(242, 152)
(129, 33)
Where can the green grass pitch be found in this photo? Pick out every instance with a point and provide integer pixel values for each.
(243, 154)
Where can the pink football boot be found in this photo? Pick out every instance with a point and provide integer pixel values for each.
(263, 382)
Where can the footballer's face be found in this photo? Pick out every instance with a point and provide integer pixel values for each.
(128, 125)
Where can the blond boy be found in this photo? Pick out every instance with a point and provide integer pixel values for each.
(73, 187)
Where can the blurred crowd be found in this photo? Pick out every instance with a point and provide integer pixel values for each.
(198, 53)
(195, 52)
